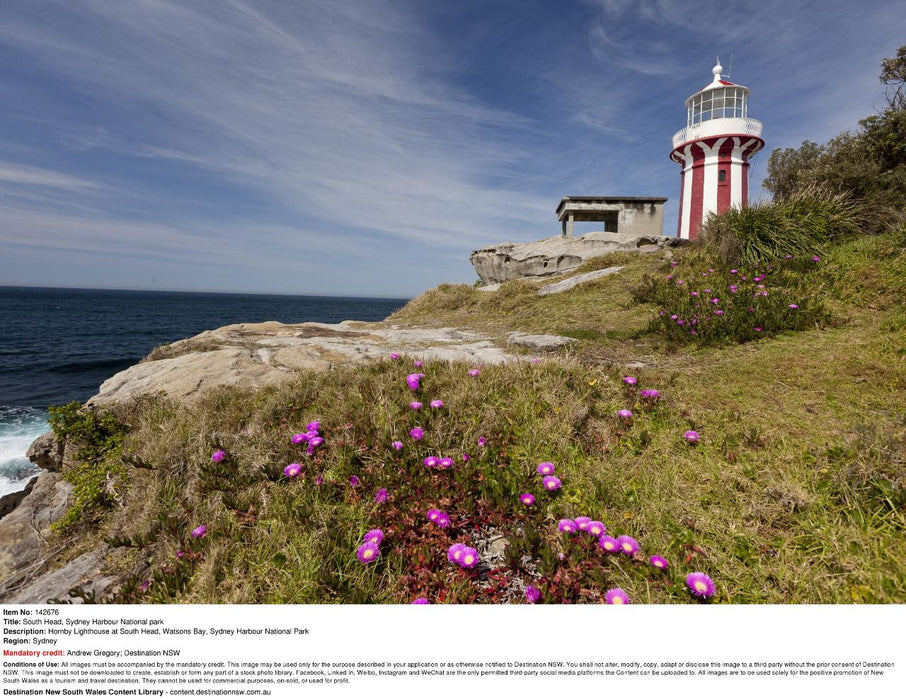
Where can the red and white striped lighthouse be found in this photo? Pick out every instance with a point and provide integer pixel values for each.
(714, 151)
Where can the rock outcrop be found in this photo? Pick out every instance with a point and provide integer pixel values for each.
(254, 355)
(558, 254)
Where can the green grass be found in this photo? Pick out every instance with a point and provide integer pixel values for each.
(795, 494)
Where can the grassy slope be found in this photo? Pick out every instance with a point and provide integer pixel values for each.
(796, 492)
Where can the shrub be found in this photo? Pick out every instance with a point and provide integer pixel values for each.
(705, 303)
(800, 225)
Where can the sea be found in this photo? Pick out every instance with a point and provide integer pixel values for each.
(59, 345)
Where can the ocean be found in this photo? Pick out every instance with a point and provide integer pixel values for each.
(59, 345)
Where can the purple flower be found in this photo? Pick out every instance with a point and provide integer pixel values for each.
(482, 442)
(316, 442)
(416, 434)
(787, 257)
(608, 544)
(421, 601)
(415, 405)
(380, 496)
(474, 372)
(691, 437)
(319, 479)
(527, 499)
(292, 469)
(180, 554)
(616, 596)
(658, 562)
(445, 463)
(396, 445)
(368, 552)
(596, 528)
(145, 585)
(794, 307)
(314, 426)
(815, 258)
(375, 536)
(719, 312)
(624, 413)
(551, 483)
(469, 558)
(455, 551)
(218, 456)
(733, 271)
(353, 480)
(412, 380)
(431, 462)
(465, 457)
(434, 515)
(582, 523)
(700, 584)
(734, 288)
(532, 594)
(437, 403)
(535, 360)
(443, 520)
(394, 356)
(650, 394)
(545, 469)
(627, 545)
(758, 329)
(631, 381)
(568, 526)
(311, 434)
(299, 438)
(199, 532)
(419, 363)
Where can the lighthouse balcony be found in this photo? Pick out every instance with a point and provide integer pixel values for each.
(718, 127)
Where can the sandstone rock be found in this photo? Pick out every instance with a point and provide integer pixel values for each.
(24, 532)
(46, 452)
(11, 501)
(84, 573)
(253, 355)
(539, 342)
(558, 254)
(570, 282)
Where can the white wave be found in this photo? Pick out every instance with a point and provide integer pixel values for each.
(18, 428)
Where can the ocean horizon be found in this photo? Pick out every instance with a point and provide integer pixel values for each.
(60, 343)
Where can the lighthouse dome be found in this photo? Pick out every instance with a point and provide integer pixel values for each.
(719, 99)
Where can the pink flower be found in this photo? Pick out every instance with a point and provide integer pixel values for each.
(482, 442)
(394, 356)
(691, 437)
(368, 552)
(527, 499)
(616, 596)
(416, 434)
(567, 525)
(631, 381)
(218, 456)
(551, 483)
(545, 468)
(412, 380)
(437, 403)
(419, 363)
(532, 594)
(199, 532)
(299, 438)
(700, 584)
(353, 480)
(380, 495)
(396, 445)
(314, 426)
(415, 405)
(474, 372)
(292, 470)
(624, 413)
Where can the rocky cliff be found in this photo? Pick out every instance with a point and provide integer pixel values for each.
(559, 254)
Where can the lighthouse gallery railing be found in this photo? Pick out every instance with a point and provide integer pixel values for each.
(717, 127)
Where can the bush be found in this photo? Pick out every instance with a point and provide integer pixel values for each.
(705, 303)
(800, 225)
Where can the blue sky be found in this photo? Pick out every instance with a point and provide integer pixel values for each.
(367, 147)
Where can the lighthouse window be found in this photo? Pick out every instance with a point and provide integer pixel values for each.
(722, 176)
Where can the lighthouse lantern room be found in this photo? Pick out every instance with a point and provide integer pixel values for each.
(714, 151)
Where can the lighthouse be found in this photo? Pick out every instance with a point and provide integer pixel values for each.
(714, 151)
